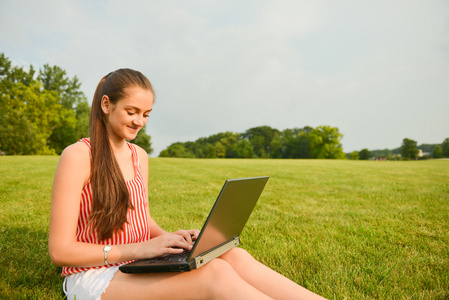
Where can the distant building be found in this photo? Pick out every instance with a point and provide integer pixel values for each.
(423, 154)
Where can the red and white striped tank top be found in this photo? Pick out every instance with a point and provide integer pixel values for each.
(136, 230)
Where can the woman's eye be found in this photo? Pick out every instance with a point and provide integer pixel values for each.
(130, 113)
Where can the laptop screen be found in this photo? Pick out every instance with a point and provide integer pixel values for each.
(230, 213)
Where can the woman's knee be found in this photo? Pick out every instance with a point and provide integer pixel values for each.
(237, 256)
(216, 269)
(217, 277)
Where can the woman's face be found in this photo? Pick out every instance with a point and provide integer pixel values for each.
(128, 115)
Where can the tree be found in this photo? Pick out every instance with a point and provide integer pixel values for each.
(276, 146)
(409, 149)
(437, 152)
(82, 114)
(227, 142)
(55, 79)
(10, 74)
(17, 133)
(296, 142)
(218, 150)
(261, 138)
(445, 147)
(50, 111)
(76, 121)
(382, 154)
(217, 145)
(40, 111)
(325, 143)
(243, 149)
(176, 150)
(364, 154)
(354, 155)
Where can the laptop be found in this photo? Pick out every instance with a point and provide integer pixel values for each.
(220, 232)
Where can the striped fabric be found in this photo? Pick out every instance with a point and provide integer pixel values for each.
(135, 231)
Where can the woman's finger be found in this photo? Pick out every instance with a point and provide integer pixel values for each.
(186, 235)
(195, 233)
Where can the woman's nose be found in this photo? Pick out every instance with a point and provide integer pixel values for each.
(140, 121)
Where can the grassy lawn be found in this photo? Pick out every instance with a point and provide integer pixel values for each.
(343, 229)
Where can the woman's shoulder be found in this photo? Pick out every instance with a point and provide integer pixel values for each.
(78, 149)
(74, 163)
(141, 153)
(77, 154)
(139, 149)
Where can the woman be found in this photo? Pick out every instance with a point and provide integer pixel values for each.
(109, 225)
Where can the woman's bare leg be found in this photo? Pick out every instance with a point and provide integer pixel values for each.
(265, 279)
(215, 280)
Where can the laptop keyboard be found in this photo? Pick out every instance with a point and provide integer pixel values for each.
(180, 257)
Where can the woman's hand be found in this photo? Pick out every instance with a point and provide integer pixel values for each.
(168, 243)
(189, 235)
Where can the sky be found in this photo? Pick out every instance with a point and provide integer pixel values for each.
(376, 70)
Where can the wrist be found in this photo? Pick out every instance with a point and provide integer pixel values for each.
(106, 251)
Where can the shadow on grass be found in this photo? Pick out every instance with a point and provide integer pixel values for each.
(25, 265)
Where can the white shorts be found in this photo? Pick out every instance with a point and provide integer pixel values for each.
(90, 284)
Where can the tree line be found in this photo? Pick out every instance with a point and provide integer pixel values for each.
(409, 150)
(43, 111)
(323, 142)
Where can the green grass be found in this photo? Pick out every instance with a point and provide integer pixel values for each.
(343, 229)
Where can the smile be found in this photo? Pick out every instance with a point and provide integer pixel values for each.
(133, 128)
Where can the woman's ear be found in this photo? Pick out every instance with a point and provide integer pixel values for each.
(105, 104)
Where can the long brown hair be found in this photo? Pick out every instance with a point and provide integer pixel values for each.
(110, 194)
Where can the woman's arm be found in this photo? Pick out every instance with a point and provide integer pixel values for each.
(71, 176)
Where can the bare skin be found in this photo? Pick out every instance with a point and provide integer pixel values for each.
(235, 275)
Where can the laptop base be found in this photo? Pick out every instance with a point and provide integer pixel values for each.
(148, 265)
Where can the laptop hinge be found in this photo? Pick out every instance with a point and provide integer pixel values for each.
(204, 258)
